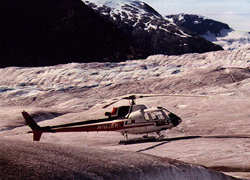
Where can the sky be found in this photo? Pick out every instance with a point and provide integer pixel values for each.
(236, 13)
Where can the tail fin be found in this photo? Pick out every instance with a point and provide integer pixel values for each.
(36, 129)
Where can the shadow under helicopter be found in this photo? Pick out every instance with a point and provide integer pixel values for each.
(167, 140)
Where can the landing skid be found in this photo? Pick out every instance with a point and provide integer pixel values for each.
(143, 139)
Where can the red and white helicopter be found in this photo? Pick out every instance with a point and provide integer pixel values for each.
(132, 119)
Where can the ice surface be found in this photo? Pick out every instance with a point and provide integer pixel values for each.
(76, 92)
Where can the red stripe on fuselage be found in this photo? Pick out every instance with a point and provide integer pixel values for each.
(114, 126)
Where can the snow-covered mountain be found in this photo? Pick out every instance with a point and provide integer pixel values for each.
(214, 31)
(130, 12)
(149, 29)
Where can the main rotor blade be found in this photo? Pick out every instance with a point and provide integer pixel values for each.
(133, 97)
(107, 105)
(119, 99)
(177, 95)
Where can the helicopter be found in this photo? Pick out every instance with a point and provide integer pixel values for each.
(131, 119)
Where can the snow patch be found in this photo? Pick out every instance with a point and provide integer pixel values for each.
(197, 22)
(181, 17)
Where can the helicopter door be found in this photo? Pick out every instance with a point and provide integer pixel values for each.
(147, 117)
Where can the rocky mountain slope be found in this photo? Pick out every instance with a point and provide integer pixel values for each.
(54, 32)
(214, 31)
(150, 30)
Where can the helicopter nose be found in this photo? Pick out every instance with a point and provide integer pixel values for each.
(176, 120)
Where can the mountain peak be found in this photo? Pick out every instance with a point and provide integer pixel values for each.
(150, 29)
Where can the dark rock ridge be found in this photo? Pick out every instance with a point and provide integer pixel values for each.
(150, 30)
(198, 25)
(48, 32)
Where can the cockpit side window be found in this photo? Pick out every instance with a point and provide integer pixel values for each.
(157, 115)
